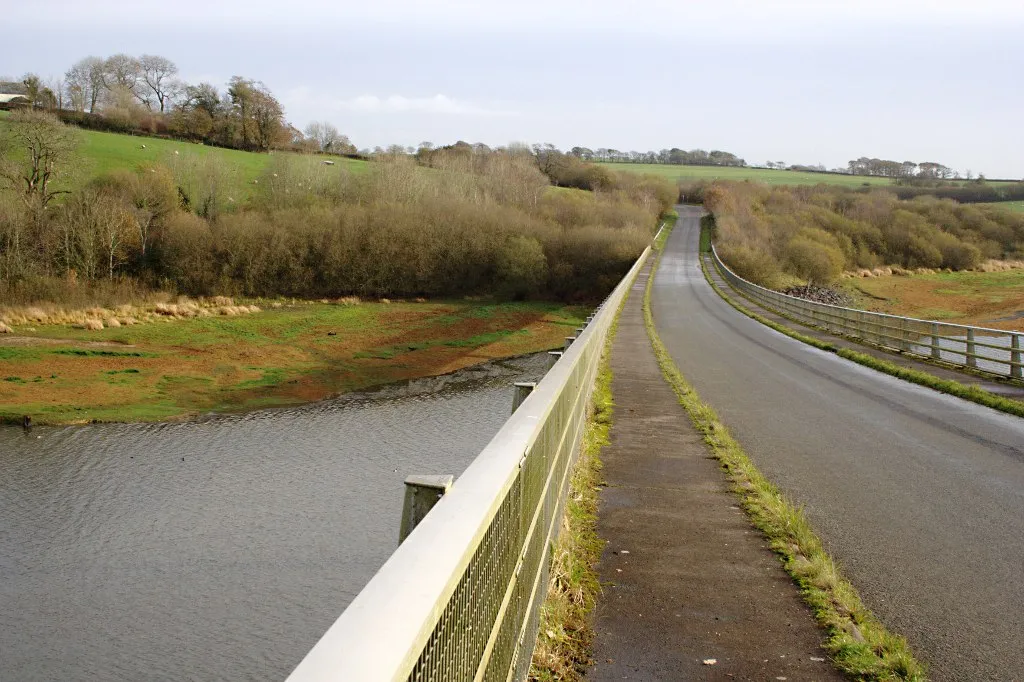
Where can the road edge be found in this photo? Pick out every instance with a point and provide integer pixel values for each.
(857, 641)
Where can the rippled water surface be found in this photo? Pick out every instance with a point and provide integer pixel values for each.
(221, 549)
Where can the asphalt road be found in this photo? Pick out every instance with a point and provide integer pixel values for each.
(919, 495)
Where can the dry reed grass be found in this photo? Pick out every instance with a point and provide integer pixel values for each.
(125, 314)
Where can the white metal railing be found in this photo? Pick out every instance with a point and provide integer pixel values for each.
(460, 597)
(992, 350)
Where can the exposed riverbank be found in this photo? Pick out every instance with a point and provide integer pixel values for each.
(181, 368)
(986, 299)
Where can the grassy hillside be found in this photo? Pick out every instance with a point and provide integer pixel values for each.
(102, 153)
(764, 175)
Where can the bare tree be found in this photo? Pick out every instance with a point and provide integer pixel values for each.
(47, 144)
(324, 134)
(122, 72)
(57, 87)
(85, 83)
(117, 232)
(158, 74)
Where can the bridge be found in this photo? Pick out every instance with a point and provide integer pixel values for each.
(919, 495)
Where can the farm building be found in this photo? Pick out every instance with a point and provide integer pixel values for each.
(13, 101)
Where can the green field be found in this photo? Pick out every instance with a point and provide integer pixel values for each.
(1017, 206)
(765, 175)
(101, 153)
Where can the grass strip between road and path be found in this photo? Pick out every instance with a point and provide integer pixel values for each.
(969, 392)
(566, 634)
(856, 640)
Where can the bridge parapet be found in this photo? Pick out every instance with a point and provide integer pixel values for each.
(460, 597)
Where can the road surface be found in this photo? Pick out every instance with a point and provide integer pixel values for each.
(919, 495)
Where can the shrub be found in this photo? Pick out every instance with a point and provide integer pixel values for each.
(520, 268)
(813, 233)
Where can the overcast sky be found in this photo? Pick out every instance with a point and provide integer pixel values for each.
(818, 81)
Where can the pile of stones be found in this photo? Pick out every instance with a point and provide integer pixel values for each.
(826, 295)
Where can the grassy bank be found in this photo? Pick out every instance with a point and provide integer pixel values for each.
(857, 642)
(566, 628)
(283, 356)
(985, 299)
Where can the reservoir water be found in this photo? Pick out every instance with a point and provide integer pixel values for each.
(218, 549)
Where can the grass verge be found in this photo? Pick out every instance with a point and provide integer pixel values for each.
(566, 627)
(965, 391)
(858, 643)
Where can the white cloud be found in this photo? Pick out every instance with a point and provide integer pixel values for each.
(438, 104)
(304, 99)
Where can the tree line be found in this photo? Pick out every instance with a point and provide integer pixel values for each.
(466, 221)
(674, 156)
(144, 95)
(885, 168)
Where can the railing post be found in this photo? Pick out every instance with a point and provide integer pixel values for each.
(936, 348)
(579, 331)
(568, 341)
(421, 494)
(553, 357)
(522, 390)
(972, 360)
(1016, 371)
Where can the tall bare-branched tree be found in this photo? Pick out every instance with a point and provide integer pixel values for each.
(35, 147)
(324, 134)
(123, 72)
(158, 76)
(85, 83)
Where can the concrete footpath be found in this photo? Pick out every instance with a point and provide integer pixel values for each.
(687, 580)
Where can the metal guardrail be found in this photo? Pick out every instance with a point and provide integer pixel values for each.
(992, 350)
(460, 597)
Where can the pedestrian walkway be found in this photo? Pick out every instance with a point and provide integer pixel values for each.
(691, 592)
